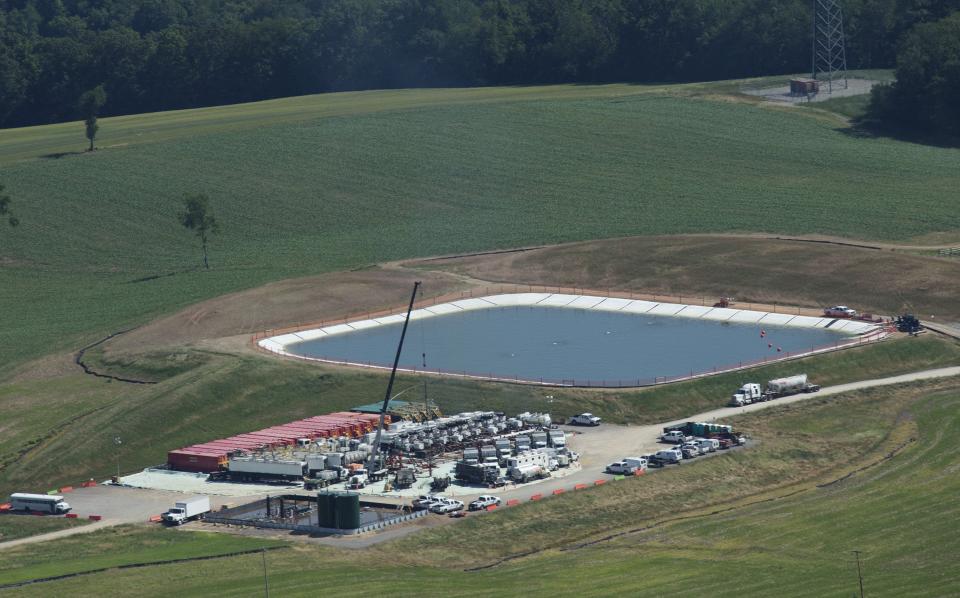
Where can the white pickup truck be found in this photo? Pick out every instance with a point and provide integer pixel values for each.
(675, 437)
(585, 419)
(621, 468)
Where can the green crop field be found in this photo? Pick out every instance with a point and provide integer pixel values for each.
(869, 471)
(334, 182)
(319, 184)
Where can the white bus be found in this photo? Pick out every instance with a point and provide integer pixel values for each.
(44, 503)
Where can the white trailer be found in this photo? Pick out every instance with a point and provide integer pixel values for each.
(187, 510)
(557, 439)
(787, 386)
(249, 469)
(528, 465)
(39, 503)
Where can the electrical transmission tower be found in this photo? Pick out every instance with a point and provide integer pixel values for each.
(829, 54)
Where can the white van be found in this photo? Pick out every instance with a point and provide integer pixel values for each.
(636, 462)
(708, 445)
(670, 455)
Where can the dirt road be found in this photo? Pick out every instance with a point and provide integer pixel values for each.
(598, 446)
(608, 443)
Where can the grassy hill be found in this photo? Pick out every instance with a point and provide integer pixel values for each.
(332, 182)
(870, 471)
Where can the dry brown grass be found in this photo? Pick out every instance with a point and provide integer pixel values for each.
(750, 269)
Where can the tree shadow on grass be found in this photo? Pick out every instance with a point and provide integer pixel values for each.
(862, 128)
(60, 155)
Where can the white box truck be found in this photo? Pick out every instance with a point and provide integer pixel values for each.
(187, 510)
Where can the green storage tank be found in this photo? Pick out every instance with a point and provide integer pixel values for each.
(347, 510)
(325, 510)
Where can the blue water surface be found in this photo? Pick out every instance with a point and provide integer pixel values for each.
(567, 345)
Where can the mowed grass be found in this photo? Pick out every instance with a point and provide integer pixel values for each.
(13, 526)
(118, 546)
(225, 394)
(695, 526)
(335, 182)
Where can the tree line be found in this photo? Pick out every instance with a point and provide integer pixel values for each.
(164, 54)
(925, 97)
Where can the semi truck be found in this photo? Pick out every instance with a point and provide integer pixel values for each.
(476, 473)
(187, 510)
(779, 387)
(702, 429)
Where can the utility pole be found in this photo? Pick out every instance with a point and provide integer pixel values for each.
(118, 442)
(266, 586)
(856, 553)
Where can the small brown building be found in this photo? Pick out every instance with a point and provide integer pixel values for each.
(804, 86)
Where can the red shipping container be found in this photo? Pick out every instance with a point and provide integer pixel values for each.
(197, 462)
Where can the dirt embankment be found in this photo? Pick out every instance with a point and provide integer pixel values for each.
(751, 269)
(285, 303)
(759, 272)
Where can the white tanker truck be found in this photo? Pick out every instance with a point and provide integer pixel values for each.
(779, 387)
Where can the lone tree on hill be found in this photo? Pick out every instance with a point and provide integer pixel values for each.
(196, 217)
(90, 104)
(5, 207)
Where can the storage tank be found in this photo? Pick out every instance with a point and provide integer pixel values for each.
(525, 473)
(790, 384)
(353, 457)
(325, 510)
(347, 507)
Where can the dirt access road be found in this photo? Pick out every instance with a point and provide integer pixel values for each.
(607, 443)
(598, 446)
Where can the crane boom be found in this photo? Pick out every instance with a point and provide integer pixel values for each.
(375, 452)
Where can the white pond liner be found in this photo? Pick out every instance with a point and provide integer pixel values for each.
(860, 332)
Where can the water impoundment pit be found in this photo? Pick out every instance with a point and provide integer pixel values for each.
(574, 340)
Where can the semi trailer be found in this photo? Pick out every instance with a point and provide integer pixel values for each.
(779, 387)
(256, 469)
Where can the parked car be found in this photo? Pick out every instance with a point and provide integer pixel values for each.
(621, 468)
(585, 419)
(675, 437)
(483, 502)
(424, 500)
(637, 462)
(448, 505)
(708, 445)
(673, 455)
(690, 451)
(653, 460)
(840, 311)
(436, 501)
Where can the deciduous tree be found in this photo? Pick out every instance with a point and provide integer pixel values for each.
(196, 216)
(90, 104)
(5, 211)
